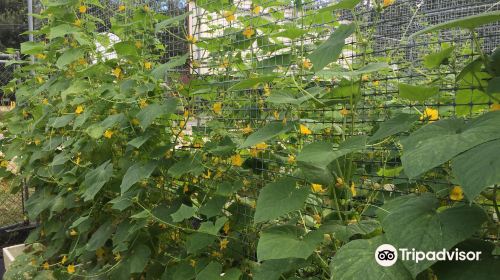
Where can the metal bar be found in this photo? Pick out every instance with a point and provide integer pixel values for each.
(30, 25)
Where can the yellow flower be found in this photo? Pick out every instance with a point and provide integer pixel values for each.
(344, 112)
(261, 146)
(365, 78)
(39, 80)
(276, 115)
(256, 10)
(79, 109)
(304, 130)
(495, 107)
(317, 218)
(64, 259)
(108, 133)
(82, 9)
(376, 83)
(254, 152)
(138, 44)
(146, 8)
(229, 15)
(223, 243)
(248, 32)
(208, 175)
(353, 189)
(307, 64)
(121, 8)
(82, 61)
(4, 163)
(117, 72)
(100, 252)
(148, 65)
(77, 22)
(185, 189)
(291, 159)
(118, 257)
(73, 232)
(216, 254)
(37, 141)
(45, 101)
(340, 182)
(45, 265)
(71, 269)
(226, 228)
(217, 107)
(191, 39)
(135, 121)
(225, 63)
(430, 115)
(40, 56)
(456, 193)
(192, 263)
(317, 188)
(236, 160)
(247, 130)
(387, 3)
(267, 90)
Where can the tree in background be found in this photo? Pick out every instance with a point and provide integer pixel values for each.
(13, 21)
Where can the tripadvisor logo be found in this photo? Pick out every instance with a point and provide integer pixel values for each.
(387, 255)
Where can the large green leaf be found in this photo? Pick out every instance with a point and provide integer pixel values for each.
(321, 154)
(417, 93)
(160, 70)
(183, 213)
(197, 241)
(100, 236)
(95, 180)
(434, 60)
(282, 242)
(96, 130)
(267, 132)
(135, 173)
(344, 4)
(397, 124)
(185, 166)
(355, 261)
(251, 82)
(147, 115)
(173, 21)
(469, 22)
(370, 68)
(344, 232)
(69, 56)
(416, 223)
(61, 30)
(32, 47)
(139, 258)
(330, 50)
(439, 142)
(478, 168)
(279, 198)
(470, 101)
(273, 269)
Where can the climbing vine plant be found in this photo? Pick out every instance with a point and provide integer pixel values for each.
(212, 167)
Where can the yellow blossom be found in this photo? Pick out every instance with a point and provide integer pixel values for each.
(430, 114)
(185, 189)
(82, 9)
(267, 90)
(225, 63)
(37, 141)
(248, 32)
(73, 232)
(247, 130)
(339, 183)
(304, 130)
(495, 107)
(39, 80)
(344, 112)
(143, 103)
(261, 146)
(71, 269)
(376, 83)
(456, 193)
(45, 265)
(79, 109)
(208, 175)
(82, 61)
(4, 163)
(118, 257)
(387, 3)
(226, 228)
(121, 8)
(307, 64)
(45, 101)
(291, 159)
(223, 243)
(254, 152)
(217, 108)
(77, 22)
(100, 252)
(276, 115)
(108, 133)
(135, 121)
(216, 254)
(236, 160)
(317, 218)
(256, 9)
(191, 39)
(229, 15)
(192, 263)
(148, 65)
(64, 259)
(138, 44)
(317, 188)
(365, 78)
(117, 72)
(353, 189)
(146, 8)
(40, 56)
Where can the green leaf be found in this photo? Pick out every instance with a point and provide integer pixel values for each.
(127, 48)
(96, 130)
(185, 166)
(268, 132)
(100, 236)
(252, 82)
(212, 228)
(213, 207)
(273, 269)
(197, 241)
(139, 258)
(345, 4)
(434, 60)
(328, 74)
(469, 22)
(135, 173)
(494, 86)
(61, 121)
(321, 154)
(355, 260)
(464, 99)
(95, 180)
(416, 223)
(417, 93)
(69, 57)
(477, 168)
(229, 188)
(184, 212)
(279, 198)
(32, 47)
(282, 242)
(400, 123)
(330, 50)
(211, 272)
(139, 141)
(147, 115)
(283, 97)
(159, 71)
(439, 142)
(389, 172)
(344, 232)
(173, 21)
(61, 31)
